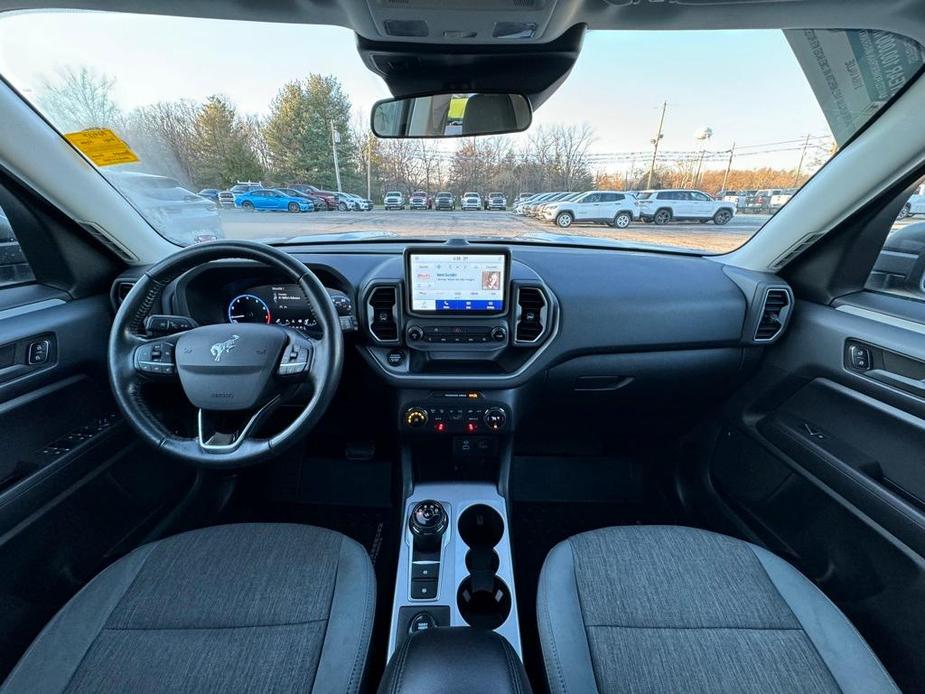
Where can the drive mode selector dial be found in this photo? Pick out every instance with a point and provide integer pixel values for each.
(427, 523)
(416, 417)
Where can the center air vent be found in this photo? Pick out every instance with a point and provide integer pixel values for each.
(531, 317)
(382, 313)
(774, 313)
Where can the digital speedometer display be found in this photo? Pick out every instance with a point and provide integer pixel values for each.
(274, 304)
(249, 308)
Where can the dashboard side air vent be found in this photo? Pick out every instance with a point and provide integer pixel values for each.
(382, 313)
(774, 313)
(532, 316)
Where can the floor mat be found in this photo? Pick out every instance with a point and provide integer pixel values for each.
(535, 529)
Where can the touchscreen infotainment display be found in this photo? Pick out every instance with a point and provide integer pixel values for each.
(457, 282)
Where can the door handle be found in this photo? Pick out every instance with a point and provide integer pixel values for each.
(913, 386)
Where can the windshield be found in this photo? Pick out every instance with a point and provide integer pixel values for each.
(718, 145)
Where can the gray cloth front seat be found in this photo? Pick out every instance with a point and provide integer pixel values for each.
(671, 609)
(233, 608)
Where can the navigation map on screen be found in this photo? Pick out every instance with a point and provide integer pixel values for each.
(457, 282)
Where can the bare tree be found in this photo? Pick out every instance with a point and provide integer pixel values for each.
(79, 98)
(163, 135)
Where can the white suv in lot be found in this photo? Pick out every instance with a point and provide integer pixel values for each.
(663, 206)
(610, 207)
(471, 201)
(394, 201)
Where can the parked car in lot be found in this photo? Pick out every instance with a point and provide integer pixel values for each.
(781, 198)
(328, 198)
(496, 201)
(394, 201)
(444, 201)
(663, 206)
(361, 204)
(614, 208)
(736, 197)
(226, 197)
(914, 205)
(210, 194)
(190, 218)
(524, 196)
(534, 204)
(522, 202)
(538, 210)
(471, 201)
(347, 202)
(270, 199)
(419, 200)
(316, 201)
(769, 200)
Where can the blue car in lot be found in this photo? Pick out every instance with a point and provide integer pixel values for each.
(269, 199)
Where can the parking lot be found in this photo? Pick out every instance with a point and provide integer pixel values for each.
(423, 223)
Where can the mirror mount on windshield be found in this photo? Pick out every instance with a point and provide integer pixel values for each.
(451, 114)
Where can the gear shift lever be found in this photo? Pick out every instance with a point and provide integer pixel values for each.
(427, 524)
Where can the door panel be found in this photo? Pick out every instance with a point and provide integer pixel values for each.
(77, 489)
(824, 464)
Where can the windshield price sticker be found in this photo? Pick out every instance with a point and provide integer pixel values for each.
(102, 146)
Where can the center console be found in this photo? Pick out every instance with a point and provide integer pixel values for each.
(454, 565)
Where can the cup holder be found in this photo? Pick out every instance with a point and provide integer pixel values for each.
(482, 559)
(481, 526)
(484, 600)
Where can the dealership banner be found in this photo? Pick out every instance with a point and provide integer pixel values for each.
(853, 73)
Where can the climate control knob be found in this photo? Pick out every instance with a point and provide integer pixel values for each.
(495, 418)
(415, 334)
(416, 417)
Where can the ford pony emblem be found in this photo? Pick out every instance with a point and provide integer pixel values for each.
(220, 348)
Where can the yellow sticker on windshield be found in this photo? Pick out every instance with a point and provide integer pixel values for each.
(102, 146)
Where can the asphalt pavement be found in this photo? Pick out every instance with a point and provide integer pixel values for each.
(429, 223)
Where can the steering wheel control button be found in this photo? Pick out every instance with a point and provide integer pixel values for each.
(295, 360)
(155, 358)
(422, 621)
(167, 325)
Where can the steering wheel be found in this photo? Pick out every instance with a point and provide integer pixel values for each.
(235, 374)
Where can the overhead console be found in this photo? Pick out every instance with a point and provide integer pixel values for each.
(458, 310)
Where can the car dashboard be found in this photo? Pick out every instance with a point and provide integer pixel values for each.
(575, 334)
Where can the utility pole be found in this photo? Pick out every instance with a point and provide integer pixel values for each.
(334, 139)
(796, 176)
(369, 166)
(728, 167)
(704, 137)
(656, 141)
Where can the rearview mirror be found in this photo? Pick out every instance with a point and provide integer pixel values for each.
(452, 115)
